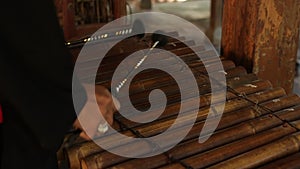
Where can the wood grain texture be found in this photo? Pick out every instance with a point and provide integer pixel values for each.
(119, 8)
(262, 35)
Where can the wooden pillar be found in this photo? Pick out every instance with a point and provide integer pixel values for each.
(119, 8)
(262, 35)
(68, 19)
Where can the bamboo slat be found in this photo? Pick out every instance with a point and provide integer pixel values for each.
(286, 146)
(290, 162)
(259, 126)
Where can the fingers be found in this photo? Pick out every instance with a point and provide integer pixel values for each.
(107, 105)
(101, 90)
(84, 136)
(109, 118)
(105, 98)
(76, 125)
(107, 114)
(90, 129)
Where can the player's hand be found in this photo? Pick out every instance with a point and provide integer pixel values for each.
(105, 102)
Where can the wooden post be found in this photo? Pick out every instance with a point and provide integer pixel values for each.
(68, 19)
(119, 8)
(262, 35)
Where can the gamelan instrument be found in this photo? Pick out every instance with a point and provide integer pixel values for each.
(259, 127)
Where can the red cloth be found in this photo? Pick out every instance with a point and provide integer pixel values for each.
(1, 115)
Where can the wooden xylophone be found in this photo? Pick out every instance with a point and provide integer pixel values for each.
(259, 127)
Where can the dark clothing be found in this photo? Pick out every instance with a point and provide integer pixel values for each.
(21, 148)
(35, 84)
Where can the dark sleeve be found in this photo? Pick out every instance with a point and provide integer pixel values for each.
(36, 70)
